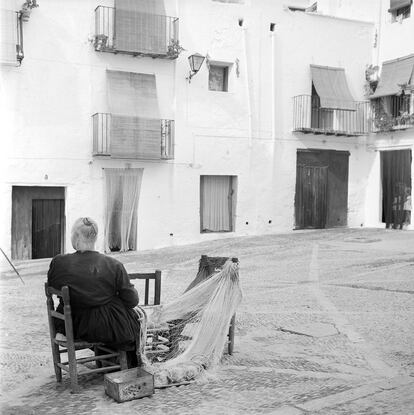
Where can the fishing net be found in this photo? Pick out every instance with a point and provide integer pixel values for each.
(182, 340)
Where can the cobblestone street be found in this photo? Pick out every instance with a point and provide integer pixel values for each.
(326, 327)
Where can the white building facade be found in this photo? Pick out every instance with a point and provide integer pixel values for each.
(273, 133)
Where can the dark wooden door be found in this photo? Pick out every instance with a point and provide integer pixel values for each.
(396, 186)
(311, 196)
(47, 227)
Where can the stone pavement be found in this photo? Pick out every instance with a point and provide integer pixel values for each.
(326, 327)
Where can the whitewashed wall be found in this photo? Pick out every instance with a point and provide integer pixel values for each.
(244, 132)
(395, 40)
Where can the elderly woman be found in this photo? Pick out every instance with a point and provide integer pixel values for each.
(102, 296)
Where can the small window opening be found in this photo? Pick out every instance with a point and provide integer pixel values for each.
(218, 78)
(402, 13)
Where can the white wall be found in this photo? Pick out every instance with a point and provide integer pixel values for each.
(394, 41)
(244, 132)
(395, 38)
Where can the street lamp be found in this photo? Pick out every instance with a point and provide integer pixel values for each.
(195, 62)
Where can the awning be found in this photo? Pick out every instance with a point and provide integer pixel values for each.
(398, 4)
(332, 88)
(393, 74)
(132, 94)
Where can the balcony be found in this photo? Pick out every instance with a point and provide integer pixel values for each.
(11, 43)
(137, 34)
(128, 137)
(309, 117)
(392, 113)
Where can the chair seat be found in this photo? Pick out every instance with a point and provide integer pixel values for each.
(81, 344)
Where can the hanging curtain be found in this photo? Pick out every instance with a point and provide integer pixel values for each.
(122, 196)
(141, 26)
(216, 197)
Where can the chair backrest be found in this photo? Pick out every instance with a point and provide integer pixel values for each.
(53, 314)
(148, 276)
(206, 268)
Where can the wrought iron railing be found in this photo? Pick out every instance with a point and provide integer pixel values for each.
(394, 112)
(119, 136)
(310, 117)
(150, 35)
(11, 43)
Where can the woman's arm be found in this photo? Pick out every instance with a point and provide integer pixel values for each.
(126, 291)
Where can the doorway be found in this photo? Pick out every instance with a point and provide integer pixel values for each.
(47, 227)
(38, 221)
(311, 186)
(396, 187)
(321, 198)
(123, 187)
(321, 118)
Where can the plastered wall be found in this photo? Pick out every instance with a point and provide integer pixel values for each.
(245, 132)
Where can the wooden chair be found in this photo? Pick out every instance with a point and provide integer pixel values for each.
(157, 340)
(104, 356)
(156, 277)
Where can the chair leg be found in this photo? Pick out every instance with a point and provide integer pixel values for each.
(97, 353)
(73, 370)
(123, 361)
(231, 335)
(56, 360)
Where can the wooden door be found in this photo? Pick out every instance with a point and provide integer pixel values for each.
(311, 196)
(47, 227)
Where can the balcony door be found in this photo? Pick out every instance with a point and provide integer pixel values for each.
(321, 118)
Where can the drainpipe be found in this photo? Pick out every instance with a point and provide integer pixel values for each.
(379, 36)
(249, 104)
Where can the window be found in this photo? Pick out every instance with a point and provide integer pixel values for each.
(217, 203)
(218, 78)
(399, 105)
(400, 9)
(402, 13)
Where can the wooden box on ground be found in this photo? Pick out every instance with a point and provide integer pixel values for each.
(129, 384)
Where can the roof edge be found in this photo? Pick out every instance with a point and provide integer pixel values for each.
(398, 59)
(335, 68)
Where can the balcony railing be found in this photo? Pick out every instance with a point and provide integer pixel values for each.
(11, 43)
(309, 117)
(390, 113)
(127, 137)
(144, 35)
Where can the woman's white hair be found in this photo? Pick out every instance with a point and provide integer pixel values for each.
(84, 234)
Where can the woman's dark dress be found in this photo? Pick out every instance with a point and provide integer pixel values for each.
(101, 295)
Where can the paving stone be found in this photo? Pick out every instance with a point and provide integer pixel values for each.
(271, 371)
(312, 329)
